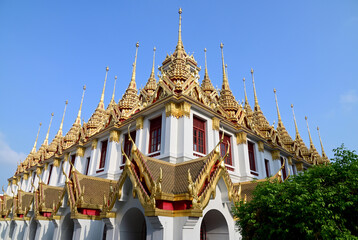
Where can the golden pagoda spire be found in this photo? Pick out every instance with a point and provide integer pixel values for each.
(257, 106)
(180, 42)
(309, 133)
(294, 119)
(78, 119)
(320, 140)
(114, 89)
(152, 75)
(132, 83)
(278, 110)
(101, 103)
(206, 76)
(59, 133)
(225, 80)
(34, 147)
(48, 131)
(246, 100)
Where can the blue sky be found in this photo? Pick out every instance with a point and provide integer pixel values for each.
(307, 50)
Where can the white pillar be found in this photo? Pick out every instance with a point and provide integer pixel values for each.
(88, 229)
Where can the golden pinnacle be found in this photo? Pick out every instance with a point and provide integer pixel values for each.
(252, 70)
(154, 49)
(107, 68)
(274, 90)
(84, 87)
(204, 49)
(180, 11)
(115, 77)
(221, 45)
(137, 44)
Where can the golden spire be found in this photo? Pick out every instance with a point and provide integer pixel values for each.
(278, 110)
(152, 73)
(59, 133)
(246, 101)
(257, 107)
(323, 153)
(78, 119)
(132, 83)
(309, 133)
(180, 43)
(48, 131)
(206, 76)
(294, 119)
(225, 81)
(101, 103)
(34, 147)
(114, 88)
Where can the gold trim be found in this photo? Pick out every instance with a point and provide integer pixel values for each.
(177, 110)
(66, 157)
(94, 143)
(275, 154)
(114, 136)
(26, 176)
(241, 137)
(56, 162)
(216, 123)
(80, 151)
(261, 146)
(299, 166)
(289, 160)
(139, 122)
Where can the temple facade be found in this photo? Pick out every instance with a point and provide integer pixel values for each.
(165, 162)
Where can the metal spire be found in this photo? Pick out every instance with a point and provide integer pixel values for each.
(132, 83)
(78, 120)
(48, 131)
(34, 147)
(180, 42)
(294, 118)
(225, 81)
(257, 107)
(323, 153)
(206, 76)
(101, 103)
(278, 110)
(152, 73)
(309, 133)
(59, 133)
(246, 101)
(114, 88)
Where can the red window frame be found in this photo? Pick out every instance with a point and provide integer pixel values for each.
(267, 167)
(223, 148)
(128, 144)
(49, 175)
(73, 160)
(284, 174)
(155, 134)
(199, 129)
(102, 160)
(251, 151)
(87, 166)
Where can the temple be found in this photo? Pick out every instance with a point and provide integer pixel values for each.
(167, 161)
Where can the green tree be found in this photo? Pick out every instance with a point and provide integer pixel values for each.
(321, 203)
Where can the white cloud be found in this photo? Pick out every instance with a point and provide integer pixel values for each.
(350, 97)
(8, 155)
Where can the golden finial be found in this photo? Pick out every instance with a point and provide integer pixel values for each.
(48, 131)
(135, 64)
(309, 133)
(101, 103)
(78, 120)
(320, 140)
(114, 88)
(294, 119)
(59, 133)
(152, 73)
(225, 81)
(278, 110)
(180, 43)
(257, 107)
(246, 101)
(206, 76)
(34, 147)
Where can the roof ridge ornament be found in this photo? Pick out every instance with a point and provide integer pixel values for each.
(132, 83)
(114, 89)
(309, 133)
(294, 119)
(320, 140)
(34, 147)
(225, 84)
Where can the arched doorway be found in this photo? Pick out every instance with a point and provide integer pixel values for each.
(214, 226)
(33, 228)
(133, 225)
(67, 227)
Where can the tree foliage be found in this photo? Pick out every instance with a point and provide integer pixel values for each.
(321, 203)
